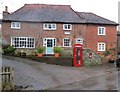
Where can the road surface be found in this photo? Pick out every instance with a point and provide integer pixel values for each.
(33, 75)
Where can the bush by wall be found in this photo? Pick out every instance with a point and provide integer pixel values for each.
(7, 49)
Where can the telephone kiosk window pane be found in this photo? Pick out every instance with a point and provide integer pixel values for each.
(78, 55)
(78, 52)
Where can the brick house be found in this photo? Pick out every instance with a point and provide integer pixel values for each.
(118, 41)
(0, 33)
(57, 25)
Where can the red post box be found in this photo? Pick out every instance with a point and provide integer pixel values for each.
(90, 55)
(77, 55)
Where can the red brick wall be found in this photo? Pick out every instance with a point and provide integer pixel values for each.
(118, 42)
(6, 32)
(36, 30)
(88, 32)
(26, 30)
(92, 37)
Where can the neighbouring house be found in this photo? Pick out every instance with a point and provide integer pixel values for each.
(0, 33)
(118, 41)
(57, 25)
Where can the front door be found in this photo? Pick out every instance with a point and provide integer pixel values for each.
(49, 45)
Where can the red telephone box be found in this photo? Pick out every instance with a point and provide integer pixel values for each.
(77, 55)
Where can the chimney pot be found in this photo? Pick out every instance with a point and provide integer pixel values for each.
(6, 9)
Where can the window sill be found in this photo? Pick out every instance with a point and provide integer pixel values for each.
(67, 46)
(101, 34)
(24, 48)
(49, 29)
(15, 28)
(101, 50)
(67, 29)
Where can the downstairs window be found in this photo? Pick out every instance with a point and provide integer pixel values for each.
(23, 42)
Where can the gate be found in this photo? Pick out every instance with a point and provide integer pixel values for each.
(6, 78)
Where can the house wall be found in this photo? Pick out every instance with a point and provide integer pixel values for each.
(92, 37)
(36, 30)
(6, 32)
(118, 42)
(88, 32)
(26, 30)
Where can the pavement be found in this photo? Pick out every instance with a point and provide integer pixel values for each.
(37, 76)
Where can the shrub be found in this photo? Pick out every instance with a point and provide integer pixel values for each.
(33, 53)
(106, 53)
(58, 49)
(40, 49)
(7, 49)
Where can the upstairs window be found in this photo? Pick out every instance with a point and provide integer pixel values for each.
(15, 25)
(49, 26)
(101, 31)
(67, 27)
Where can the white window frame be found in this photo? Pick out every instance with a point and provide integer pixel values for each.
(79, 41)
(101, 46)
(45, 41)
(101, 31)
(47, 25)
(69, 42)
(66, 27)
(25, 41)
(15, 25)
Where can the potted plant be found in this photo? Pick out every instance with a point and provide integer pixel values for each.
(111, 54)
(40, 51)
(112, 59)
(57, 51)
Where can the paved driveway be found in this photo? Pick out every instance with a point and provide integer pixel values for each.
(35, 75)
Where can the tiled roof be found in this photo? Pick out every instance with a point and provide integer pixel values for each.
(54, 13)
(45, 13)
(94, 19)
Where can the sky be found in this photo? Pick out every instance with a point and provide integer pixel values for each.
(104, 8)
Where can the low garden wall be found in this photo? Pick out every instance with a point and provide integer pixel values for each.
(66, 58)
(95, 59)
(63, 61)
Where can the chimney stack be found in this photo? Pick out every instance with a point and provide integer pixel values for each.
(5, 13)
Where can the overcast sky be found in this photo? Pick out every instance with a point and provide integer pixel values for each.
(105, 8)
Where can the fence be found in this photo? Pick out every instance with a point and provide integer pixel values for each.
(6, 78)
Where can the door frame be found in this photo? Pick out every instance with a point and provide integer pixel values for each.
(52, 44)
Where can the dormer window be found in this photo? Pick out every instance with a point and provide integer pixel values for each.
(15, 25)
(67, 27)
(49, 26)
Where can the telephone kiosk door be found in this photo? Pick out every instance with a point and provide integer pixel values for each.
(77, 62)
